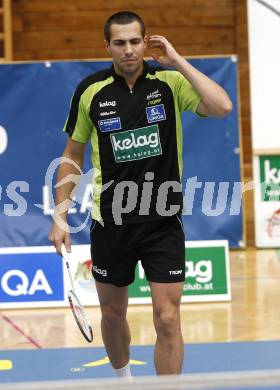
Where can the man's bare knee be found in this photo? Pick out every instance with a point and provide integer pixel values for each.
(113, 313)
(167, 321)
(113, 302)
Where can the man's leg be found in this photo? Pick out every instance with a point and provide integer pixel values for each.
(169, 348)
(114, 326)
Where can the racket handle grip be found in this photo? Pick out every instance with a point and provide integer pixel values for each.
(70, 275)
(65, 256)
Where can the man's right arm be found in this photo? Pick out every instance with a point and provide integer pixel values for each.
(69, 171)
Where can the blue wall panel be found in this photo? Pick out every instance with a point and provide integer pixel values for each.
(34, 102)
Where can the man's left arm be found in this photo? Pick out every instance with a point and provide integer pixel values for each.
(214, 99)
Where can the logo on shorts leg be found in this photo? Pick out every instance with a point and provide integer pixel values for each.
(177, 272)
(102, 272)
(136, 144)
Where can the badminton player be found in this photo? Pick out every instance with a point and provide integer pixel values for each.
(130, 113)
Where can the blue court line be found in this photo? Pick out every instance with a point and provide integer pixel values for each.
(69, 363)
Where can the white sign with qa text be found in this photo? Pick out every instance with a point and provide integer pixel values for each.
(37, 277)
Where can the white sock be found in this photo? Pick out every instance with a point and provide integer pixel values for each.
(123, 372)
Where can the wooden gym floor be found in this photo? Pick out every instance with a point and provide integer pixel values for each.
(252, 315)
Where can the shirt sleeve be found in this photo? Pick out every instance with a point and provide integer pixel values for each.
(188, 98)
(78, 124)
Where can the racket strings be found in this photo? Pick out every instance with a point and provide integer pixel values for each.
(80, 315)
(75, 305)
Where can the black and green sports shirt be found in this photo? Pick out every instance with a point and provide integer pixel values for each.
(133, 133)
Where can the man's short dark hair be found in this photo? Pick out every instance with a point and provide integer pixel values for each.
(123, 17)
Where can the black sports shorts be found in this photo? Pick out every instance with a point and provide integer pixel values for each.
(159, 245)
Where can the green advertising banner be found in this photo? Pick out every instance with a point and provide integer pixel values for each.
(270, 178)
(267, 200)
(207, 274)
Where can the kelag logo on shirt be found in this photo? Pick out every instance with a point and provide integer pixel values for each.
(156, 113)
(136, 144)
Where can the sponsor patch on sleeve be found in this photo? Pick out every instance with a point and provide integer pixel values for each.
(110, 124)
(156, 113)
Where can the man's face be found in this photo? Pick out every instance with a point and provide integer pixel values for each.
(126, 47)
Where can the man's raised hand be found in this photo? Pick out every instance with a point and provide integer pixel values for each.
(168, 56)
